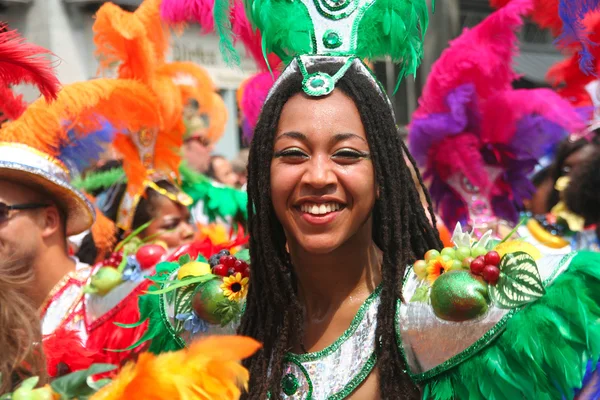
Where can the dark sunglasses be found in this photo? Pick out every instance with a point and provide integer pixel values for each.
(5, 209)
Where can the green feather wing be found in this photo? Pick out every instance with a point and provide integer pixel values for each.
(544, 350)
(394, 28)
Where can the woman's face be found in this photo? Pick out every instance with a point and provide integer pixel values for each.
(170, 223)
(322, 179)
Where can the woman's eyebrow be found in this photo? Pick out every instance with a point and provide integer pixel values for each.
(293, 135)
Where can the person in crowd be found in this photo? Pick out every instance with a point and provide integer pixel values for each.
(240, 167)
(221, 171)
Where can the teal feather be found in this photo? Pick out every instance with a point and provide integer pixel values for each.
(222, 15)
(544, 349)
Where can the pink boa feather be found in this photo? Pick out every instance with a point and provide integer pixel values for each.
(502, 112)
(481, 56)
(183, 11)
(255, 93)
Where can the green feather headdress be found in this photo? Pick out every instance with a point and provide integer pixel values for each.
(356, 30)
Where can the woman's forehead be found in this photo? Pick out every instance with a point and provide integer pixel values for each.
(332, 114)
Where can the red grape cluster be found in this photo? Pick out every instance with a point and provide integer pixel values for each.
(487, 266)
(224, 264)
(113, 260)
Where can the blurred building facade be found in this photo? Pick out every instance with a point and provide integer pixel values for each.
(65, 27)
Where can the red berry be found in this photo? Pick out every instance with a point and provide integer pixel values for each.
(149, 255)
(246, 273)
(491, 273)
(492, 258)
(240, 266)
(477, 265)
(227, 261)
(220, 270)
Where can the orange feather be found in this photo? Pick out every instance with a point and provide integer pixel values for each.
(209, 369)
(126, 104)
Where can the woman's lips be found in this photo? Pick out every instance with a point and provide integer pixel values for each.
(320, 214)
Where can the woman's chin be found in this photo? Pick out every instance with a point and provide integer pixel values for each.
(319, 245)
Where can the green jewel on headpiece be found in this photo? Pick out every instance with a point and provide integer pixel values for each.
(350, 29)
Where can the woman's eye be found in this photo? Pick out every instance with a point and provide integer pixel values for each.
(350, 154)
(291, 153)
(170, 225)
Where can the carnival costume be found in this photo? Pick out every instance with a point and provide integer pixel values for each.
(518, 327)
(476, 138)
(44, 147)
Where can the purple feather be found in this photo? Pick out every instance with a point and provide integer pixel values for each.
(572, 14)
(462, 117)
(82, 150)
(536, 136)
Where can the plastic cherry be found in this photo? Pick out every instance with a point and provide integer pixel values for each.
(240, 266)
(228, 261)
(492, 258)
(246, 273)
(491, 273)
(477, 265)
(220, 270)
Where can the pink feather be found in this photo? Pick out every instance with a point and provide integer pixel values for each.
(182, 11)
(250, 37)
(254, 96)
(201, 12)
(481, 56)
(22, 62)
(503, 111)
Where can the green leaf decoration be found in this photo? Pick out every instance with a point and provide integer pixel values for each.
(184, 259)
(183, 283)
(243, 255)
(99, 384)
(228, 311)
(75, 385)
(519, 282)
(421, 295)
(133, 235)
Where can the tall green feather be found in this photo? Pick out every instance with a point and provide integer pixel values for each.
(285, 26)
(221, 12)
(395, 28)
(544, 350)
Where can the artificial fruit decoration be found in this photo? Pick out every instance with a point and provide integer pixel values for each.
(459, 296)
(148, 255)
(210, 303)
(104, 280)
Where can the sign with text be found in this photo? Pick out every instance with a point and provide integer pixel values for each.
(204, 50)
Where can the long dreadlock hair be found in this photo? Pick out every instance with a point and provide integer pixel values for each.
(401, 230)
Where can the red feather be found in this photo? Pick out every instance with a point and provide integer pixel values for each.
(105, 336)
(65, 346)
(22, 62)
(11, 105)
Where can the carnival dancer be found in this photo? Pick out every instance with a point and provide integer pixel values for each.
(40, 208)
(476, 138)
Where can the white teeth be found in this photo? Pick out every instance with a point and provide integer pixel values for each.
(320, 209)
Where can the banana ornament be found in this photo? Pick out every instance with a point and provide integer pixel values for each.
(545, 237)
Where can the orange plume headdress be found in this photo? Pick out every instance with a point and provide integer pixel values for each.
(137, 43)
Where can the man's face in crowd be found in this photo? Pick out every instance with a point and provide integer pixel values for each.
(196, 152)
(20, 230)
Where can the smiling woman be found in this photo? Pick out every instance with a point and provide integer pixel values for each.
(335, 190)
